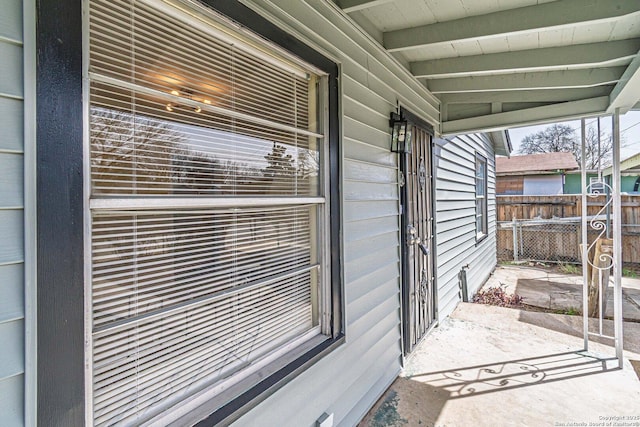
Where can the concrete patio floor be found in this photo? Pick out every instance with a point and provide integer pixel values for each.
(491, 366)
(556, 291)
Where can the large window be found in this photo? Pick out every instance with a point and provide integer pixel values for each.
(209, 209)
(481, 197)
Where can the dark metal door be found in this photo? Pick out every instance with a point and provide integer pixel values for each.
(419, 295)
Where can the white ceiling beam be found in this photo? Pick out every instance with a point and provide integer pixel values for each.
(350, 6)
(543, 95)
(553, 15)
(523, 81)
(463, 111)
(532, 116)
(592, 55)
(626, 93)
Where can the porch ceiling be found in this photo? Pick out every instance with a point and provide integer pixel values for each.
(496, 64)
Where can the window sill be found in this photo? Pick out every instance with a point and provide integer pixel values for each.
(225, 411)
(480, 237)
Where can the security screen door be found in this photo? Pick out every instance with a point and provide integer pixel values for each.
(419, 296)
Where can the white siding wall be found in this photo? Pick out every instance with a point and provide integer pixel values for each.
(350, 379)
(11, 216)
(455, 217)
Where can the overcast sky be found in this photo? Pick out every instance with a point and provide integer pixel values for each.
(629, 127)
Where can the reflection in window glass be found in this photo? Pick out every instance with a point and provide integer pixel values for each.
(148, 150)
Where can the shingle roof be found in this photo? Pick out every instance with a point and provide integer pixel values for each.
(535, 163)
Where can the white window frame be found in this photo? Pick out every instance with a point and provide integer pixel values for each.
(481, 200)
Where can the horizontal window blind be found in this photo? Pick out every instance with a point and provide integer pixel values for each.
(138, 147)
(148, 365)
(145, 262)
(182, 299)
(134, 43)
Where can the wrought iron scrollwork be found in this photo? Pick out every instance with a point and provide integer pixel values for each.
(594, 190)
(422, 174)
(423, 286)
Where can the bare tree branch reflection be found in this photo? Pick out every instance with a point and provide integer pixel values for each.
(133, 153)
(137, 154)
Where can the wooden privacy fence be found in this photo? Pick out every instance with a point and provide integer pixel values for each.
(548, 228)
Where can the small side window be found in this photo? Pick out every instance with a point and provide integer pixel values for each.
(481, 197)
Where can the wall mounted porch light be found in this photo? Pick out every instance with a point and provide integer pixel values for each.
(401, 134)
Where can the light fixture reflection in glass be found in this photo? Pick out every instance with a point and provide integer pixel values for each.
(186, 94)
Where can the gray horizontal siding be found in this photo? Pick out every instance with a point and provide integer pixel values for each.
(12, 401)
(11, 179)
(12, 335)
(349, 381)
(361, 266)
(358, 190)
(11, 20)
(11, 123)
(344, 408)
(359, 288)
(11, 235)
(373, 298)
(364, 114)
(359, 210)
(11, 292)
(356, 251)
(356, 170)
(362, 230)
(455, 218)
(11, 69)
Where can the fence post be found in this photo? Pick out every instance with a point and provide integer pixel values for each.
(515, 239)
(579, 240)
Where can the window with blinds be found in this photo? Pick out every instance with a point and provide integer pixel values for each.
(207, 213)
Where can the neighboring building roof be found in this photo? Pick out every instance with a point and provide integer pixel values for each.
(535, 163)
(629, 166)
